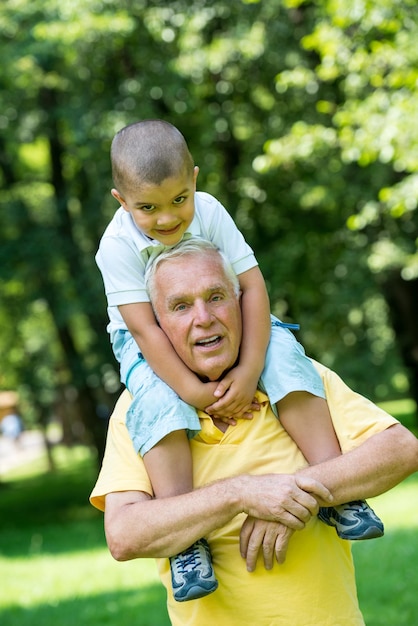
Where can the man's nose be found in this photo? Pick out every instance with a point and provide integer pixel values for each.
(202, 314)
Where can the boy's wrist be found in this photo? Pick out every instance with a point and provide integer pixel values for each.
(201, 395)
(251, 371)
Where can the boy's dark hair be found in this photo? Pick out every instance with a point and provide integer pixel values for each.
(148, 152)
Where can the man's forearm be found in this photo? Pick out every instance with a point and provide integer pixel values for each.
(137, 526)
(374, 467)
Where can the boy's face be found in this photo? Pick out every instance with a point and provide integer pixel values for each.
(162, 212)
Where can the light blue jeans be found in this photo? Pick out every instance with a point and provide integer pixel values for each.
(287, 368)
(156, 410)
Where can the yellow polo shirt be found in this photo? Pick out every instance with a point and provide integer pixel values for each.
(316, 584)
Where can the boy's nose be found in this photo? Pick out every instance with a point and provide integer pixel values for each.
(167, 218)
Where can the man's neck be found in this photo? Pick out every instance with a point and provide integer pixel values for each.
(220, 424)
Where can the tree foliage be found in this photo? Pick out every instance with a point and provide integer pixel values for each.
(301, 118)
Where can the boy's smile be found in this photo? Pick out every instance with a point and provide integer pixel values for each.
(162, 212)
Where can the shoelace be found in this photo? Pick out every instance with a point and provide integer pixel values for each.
(189, 561)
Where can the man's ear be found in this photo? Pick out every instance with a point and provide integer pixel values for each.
(115, 193)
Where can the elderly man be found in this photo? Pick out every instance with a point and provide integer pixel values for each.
(253, 486)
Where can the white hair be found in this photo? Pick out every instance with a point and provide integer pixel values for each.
(190, 247)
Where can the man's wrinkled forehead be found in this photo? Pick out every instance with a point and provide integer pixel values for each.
(209, 279)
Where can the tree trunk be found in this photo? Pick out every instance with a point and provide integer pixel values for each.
(402, 298)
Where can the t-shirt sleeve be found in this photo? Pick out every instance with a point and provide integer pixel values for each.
(222, 231)
(123, 271)
(355, 418)
(122, 468)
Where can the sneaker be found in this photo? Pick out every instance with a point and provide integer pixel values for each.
(354, 520)
(192, 574)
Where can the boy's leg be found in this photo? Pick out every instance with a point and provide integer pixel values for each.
(157, 421)
(169, 465)
(296, 391)
(306, 418)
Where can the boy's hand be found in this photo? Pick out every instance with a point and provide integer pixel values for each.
(201, 393)
(236, 396)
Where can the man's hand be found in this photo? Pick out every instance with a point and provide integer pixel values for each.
(236, 396)
(285, 498)
(272, 538)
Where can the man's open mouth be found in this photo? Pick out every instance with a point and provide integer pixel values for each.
(209, 342)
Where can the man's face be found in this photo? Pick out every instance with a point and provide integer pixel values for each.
(199, 312)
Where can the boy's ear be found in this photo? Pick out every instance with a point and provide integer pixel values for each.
(115, 193)
(195, 173)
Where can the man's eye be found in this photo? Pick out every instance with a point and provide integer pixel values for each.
(216, 297)
(180, 307)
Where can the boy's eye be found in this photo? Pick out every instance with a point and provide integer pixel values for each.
(147, 208)
(179, 200)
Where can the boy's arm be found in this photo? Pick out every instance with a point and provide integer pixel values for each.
(255, 307)
(161, 356)
(236, 391)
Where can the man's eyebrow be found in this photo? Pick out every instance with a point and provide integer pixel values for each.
(218, 287)
(172, 300)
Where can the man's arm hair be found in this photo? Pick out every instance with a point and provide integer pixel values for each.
(377, 465)
(138, 526)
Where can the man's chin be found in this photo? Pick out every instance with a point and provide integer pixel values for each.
(211, 367)
(212, 376)
(210, 371)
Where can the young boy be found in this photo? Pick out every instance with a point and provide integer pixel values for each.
(155, 183)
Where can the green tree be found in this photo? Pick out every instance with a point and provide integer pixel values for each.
(353, 160)
(300, 116)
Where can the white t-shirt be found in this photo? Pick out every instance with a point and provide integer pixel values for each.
(124, 252)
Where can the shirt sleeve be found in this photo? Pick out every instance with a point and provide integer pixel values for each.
(222, 231)
(122, 469)
(355, 418)
(123, 271)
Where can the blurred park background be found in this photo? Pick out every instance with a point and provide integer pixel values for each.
(303, 119)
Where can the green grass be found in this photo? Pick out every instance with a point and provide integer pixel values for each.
(55, 569)
(387, 572)
(386, 569)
